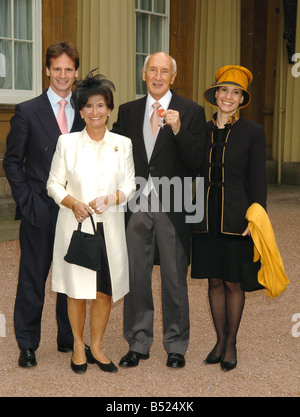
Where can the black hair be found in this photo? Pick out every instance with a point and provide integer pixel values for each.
(91, 86)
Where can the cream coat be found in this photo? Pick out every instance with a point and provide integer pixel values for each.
(86, 169)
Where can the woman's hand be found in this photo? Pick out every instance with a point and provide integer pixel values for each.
(81, 211)
(247, 232)
(102, 203)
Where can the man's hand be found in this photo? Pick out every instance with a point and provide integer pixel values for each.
(172, 119)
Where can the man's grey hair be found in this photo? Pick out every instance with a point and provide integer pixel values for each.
(172, 59)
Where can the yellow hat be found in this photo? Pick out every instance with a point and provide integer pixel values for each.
(232, 75)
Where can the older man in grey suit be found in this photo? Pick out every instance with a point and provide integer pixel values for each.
(174, 151)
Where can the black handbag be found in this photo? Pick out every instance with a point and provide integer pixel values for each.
(249, 272)
(85, 248)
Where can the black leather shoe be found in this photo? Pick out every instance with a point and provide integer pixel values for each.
(78, 369)
(106, 367)
(65, 347)
(228, 365)
(132, 359)
(175, 360)
(212, 359)
(27, 358)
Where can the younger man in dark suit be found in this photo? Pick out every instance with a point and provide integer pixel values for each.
(173, 151)
(31, 143)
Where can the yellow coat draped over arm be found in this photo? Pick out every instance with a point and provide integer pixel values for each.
(271, 274)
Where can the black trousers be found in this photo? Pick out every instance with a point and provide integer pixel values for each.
(36, 257)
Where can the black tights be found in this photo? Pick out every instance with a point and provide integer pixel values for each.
(227, 301)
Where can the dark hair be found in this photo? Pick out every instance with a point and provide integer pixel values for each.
(91, 86)
(57, 49)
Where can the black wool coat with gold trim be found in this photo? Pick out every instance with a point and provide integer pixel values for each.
(243, 174)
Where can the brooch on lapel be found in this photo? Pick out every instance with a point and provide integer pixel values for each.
(116, 149)
(162, 120)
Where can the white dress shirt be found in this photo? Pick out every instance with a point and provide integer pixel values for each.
(164, 103)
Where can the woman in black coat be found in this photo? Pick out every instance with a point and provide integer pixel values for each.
(234, 174)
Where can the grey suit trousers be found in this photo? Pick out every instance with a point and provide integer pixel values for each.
(144, 230)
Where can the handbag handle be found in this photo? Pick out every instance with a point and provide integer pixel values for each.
(93, 224)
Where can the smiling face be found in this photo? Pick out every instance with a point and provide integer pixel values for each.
(62, 74)
(95, 113)
(159, 74)
(229, 99)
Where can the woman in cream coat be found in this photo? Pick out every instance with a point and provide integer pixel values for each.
(92, 172)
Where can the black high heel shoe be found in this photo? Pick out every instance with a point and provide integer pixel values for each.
(212, 359)
(228, 365)
(106, 367)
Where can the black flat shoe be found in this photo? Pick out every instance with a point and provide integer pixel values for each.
(78, 369)
(27, 358)
(212, 359)
(228, 365)
(132, 358)
(106, 367)
(175, 360)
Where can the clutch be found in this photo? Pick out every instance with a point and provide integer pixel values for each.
(249, 272)
(85, 248)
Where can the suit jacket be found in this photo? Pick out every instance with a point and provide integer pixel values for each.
(173, 155)
(30, 146)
